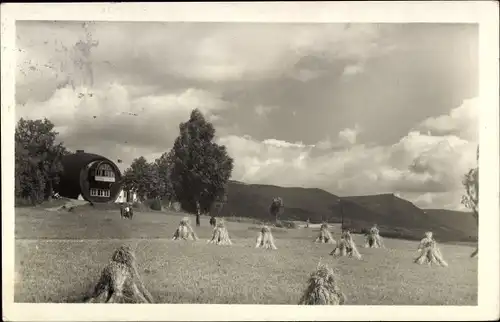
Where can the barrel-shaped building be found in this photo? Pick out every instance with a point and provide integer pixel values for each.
(94, 177)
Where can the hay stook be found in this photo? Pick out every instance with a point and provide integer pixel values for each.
(429, 252)
(322, 288)
(185, 231)
(220, 236)
(265, 239)
(120, 281)
(373, 238)
(346, 247)
(324, 237)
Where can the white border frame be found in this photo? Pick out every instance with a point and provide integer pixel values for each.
(483, 12)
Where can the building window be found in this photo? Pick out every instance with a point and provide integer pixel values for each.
(104, 173)
(94, 192)
(105, 170)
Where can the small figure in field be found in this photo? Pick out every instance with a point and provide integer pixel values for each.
(324, 235)
(185, 231)
(346, 246)
(373, 239)
(126, 211)
(265, 239)
(307, 223)
(198, 214)
(323, 289)
(120, 281)
(220, 236)
(198, 210)
(429, 252)
(213, 221)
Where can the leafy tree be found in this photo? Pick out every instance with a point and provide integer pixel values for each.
(276, 208)
(471, 185)
(201, 168)
(143, 178)
(37, 159)
(471, 197)
(164, 164)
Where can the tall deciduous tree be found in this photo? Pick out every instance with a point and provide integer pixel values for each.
(471, 197)
(37, 159)
(276, 208)
(201, 168)
(143, 178)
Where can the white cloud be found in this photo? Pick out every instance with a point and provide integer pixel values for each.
(110, 117)
(350, 135)
(283, 144)
(325, 144)
(353, 70)
(262, 110)
(426, 169)
(306, 75)
(211, 52)
(345, 138)
(462, 121)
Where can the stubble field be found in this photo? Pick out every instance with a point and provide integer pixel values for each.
(59, 255)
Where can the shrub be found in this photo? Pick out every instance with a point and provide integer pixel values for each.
(286, 224)
(156, 205)
(23, 202)
(176, 206)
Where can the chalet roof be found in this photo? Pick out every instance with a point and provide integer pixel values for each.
(74, 162)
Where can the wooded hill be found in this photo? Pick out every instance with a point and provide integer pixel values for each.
(395, 216)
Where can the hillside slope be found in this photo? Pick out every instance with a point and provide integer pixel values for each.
(395, 216)
(245, 200)
(457, 220)
(393, 210)
(403, 215)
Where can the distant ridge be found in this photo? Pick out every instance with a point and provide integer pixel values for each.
(236, 182)
(393, 214)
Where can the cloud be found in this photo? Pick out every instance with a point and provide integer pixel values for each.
(112, 117)
(461, 121)
(345, 138)
(353, 70)
(209, 52)
(306, 75)
(262, 110)
(426, 169)
(283, 144)
(350, 135)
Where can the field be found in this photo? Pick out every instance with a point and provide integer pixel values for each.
(59, 255)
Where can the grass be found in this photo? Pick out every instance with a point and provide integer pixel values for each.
(60, 254)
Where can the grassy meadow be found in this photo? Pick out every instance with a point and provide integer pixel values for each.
(59, 255)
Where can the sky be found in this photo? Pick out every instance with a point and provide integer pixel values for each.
(354, 109)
